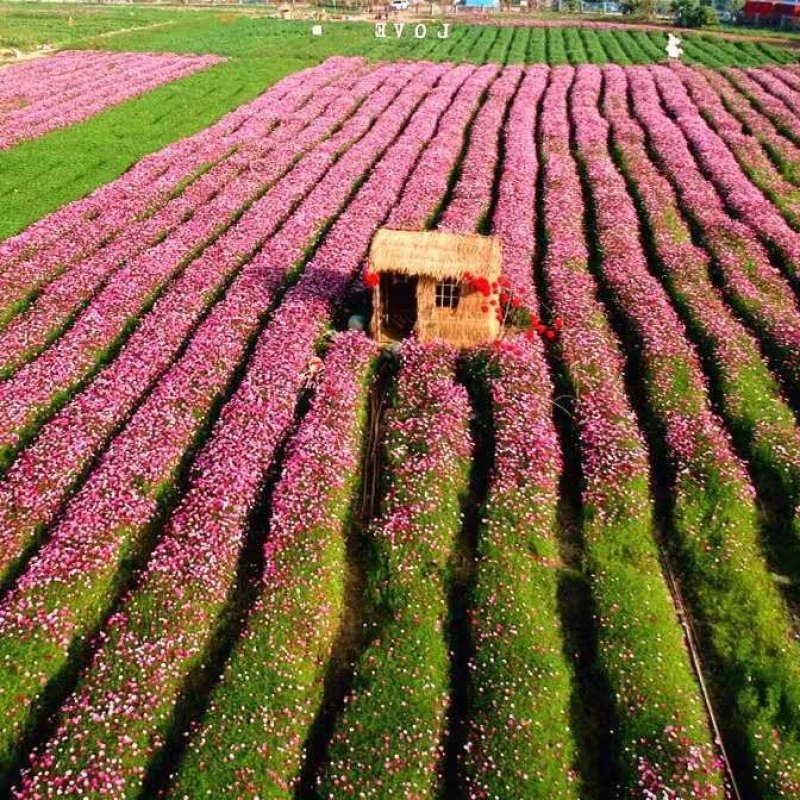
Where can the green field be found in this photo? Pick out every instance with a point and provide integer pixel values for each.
(24, 26)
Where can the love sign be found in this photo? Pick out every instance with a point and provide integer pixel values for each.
(420, 30)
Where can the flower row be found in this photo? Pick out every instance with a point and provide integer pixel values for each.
(514, 220)
(39, 481)
(36, 99)
(520, 739)
(164, 629)
(35, 390)
(750, 283)
(81, 563)
(427, 185)
(58, 302)
(52, 245)
(663, 742)
(726, 175)
(784, 152)
(770, 106)
(717, 543)
(773, 83)
(252, 736)
(388, 738)
(747, 150)
(471, 198)
(751, 397)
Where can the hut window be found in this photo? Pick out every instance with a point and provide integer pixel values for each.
(448, 293)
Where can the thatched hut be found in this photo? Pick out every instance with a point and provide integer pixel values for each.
(421, 289)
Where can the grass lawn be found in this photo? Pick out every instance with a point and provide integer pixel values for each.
(26, 25)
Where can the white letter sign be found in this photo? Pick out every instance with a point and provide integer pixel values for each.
(420, 30)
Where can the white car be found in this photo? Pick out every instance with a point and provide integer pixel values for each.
(398, 5)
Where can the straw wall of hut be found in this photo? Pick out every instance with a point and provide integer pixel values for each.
(431, 265)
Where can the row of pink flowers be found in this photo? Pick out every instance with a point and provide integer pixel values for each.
(557, 24)
(471, 200)
(786, 75)
(60, 300)
(613, 448)
(773, 83)
(739, 193)
(427, 185)
(636, 624)
(750, 282)
(519, 736)
(252, 735)
(46, 79)
(784, 152)
(76, 86)
(772, 107)
(724, 569)
(38, 483)
(52, 245)
(744, 146)
(91, 75)
(33, 391)
(63, 68)
(752, 399)
(162, 629)
(515, 216)
(388, 739)
(80, 564)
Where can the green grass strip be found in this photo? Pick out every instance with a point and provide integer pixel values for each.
(39, 176)
(517, 53)
(537, 46)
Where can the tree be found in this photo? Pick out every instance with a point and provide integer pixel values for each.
(639, 8)
(690, 14)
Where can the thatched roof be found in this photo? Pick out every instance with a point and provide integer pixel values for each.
(435, 254)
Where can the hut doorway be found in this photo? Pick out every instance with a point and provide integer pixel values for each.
(399, 304)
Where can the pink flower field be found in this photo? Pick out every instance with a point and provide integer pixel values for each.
(39, 96)
(246, 553)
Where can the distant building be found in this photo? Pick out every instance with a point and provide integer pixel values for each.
(767, 11)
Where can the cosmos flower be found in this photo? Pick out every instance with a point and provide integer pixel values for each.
(40, 96)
